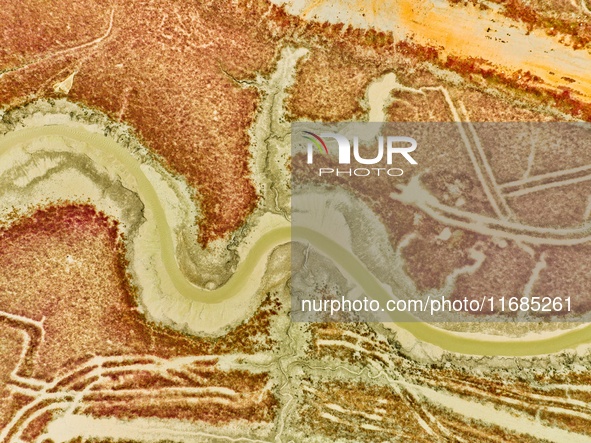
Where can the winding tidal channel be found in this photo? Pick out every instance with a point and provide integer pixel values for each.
(210, 311)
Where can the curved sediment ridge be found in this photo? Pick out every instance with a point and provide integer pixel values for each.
(166, 293)
(169, 297)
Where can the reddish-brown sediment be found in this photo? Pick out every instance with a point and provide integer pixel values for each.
(567, 274)
(165, 68)
(519, 84)
(65, 264)
(64, 268)
(190, 108)
(565, 20)
(350, 404)
(504, 272)
(145, 395)
(429, 261)
(561, 207)
(331, 82)
(522, 392)
(11, 342)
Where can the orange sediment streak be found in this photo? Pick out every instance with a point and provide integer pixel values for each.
(469, 32)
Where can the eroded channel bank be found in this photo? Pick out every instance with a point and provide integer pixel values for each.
(166, 293)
